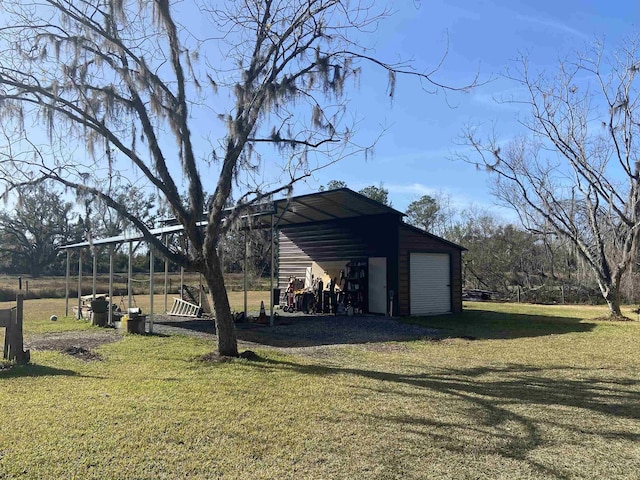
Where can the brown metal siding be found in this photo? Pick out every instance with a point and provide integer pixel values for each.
(411, 240)
(292, 261)
(339, 240)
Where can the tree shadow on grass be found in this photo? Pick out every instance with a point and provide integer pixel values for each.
(507, 411)
(487, 324)
(33, 370)
(331, 330)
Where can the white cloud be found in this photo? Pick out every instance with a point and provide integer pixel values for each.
(553, 24)
(410, 189)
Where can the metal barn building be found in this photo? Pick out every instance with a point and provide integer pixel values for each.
(384, 264)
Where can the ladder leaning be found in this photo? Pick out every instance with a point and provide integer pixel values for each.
(180, 308)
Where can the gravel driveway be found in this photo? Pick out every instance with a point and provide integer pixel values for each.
(302, 331)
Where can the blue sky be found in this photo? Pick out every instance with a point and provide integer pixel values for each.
(483, 37)
(413, 157)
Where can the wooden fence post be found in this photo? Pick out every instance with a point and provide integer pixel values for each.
(14, 339)
(20, 355)
(5, 321)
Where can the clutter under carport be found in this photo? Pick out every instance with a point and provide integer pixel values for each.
(342, 294)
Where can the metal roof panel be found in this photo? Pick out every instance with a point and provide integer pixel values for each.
(313, 207)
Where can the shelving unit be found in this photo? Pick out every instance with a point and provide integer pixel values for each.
(356, 285)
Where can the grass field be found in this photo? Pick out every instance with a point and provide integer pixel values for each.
(38, 311)
(517, 391)
(55, 287)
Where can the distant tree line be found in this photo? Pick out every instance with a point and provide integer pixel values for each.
(42, 218)
(513, 262)
(501, 257)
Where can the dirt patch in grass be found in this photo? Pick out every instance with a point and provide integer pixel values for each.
(215, 357)
(82, 354)
(78, 344)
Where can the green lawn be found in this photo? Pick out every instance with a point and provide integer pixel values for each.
(517, 391)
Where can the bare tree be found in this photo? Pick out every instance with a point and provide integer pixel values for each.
(577, 171)
(136, 88)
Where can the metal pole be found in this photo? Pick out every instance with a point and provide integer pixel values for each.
(181, 282)
(130, 274)
(66, 289)
(182, 271)
(273, 256)
(111, 247)
(166, 277)
(151, 285)
(79, 284)
(95, 272)
(244, 268)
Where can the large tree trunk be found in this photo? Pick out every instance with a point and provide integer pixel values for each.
(611, 295)
(225, 328)
(614, 305)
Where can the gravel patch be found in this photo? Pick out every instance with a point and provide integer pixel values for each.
(300, 333)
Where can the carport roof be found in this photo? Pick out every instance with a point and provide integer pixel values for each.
(335, 204)
(330, 205)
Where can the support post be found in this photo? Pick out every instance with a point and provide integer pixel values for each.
(14, 335)
(8, 324)
(244, 269)
(66, 284)
(79, 284)
(111, 248)
(166, 277)
(151, 286)
(95, 273)
(186, 244)
(129, 275)
(273, 256)
(181, 283)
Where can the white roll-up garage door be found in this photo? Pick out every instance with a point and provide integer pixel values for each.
(430, 283)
